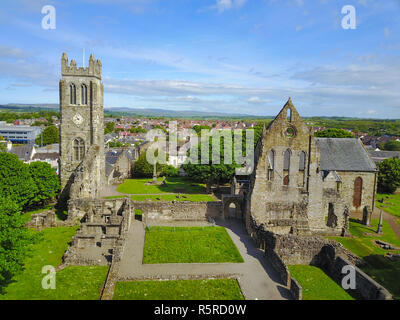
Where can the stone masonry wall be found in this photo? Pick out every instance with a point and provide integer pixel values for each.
(368, 192)
(179, 210)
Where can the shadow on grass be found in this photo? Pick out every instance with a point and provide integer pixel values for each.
(385, 272)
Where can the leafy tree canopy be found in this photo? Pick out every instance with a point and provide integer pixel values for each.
(334, 133)
(389, 175)
(46, 180)
(50, 136)
(14, 240)
(16, 182)
(391, 145)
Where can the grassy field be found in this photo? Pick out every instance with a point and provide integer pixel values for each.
(377, 266)
(391, 203)
(363, 244)
(189, 245)
(174, 197)
(218, 289)
(317, 285)
(174, 185)
(71, 283)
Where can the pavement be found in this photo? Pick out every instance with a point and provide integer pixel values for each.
(256, 277)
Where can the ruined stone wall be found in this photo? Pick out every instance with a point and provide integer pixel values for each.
(85, 183)
(368, 192)
(103, 231)
(179, 210)
(329, 255)
(304, 186)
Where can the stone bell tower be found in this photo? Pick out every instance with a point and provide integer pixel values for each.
(82, 120)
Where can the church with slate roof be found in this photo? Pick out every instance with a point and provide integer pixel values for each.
(307, 185)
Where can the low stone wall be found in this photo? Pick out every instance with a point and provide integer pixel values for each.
(296, 289)
(368, 288)
(328, 255)
(279, 266)
(47, 219)
(179, 210)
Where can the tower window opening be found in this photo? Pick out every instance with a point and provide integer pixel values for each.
(72, 93)
(79, 149)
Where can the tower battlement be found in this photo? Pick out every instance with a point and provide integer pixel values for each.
(70, 69)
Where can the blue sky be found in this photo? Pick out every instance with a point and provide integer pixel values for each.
(231, 56)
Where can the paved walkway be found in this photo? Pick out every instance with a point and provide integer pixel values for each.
(256, 277)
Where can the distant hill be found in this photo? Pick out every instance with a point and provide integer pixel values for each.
(29, 107)
(175, 113)
(130, 111)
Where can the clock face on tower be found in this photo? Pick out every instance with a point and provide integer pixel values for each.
(77, 119)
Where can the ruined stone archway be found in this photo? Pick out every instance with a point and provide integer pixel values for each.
(235, 201)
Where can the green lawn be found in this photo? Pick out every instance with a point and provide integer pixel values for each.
(74, 282)
(363, 242)
(218, 289)
(391, 203)
(174, 185)
(174, 197)
(28, 214)
(317, 285)
(377, 266)
(189, 245)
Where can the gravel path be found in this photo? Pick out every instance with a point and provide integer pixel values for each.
(256, 277)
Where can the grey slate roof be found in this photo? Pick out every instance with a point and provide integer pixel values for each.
(23, 152)
(344, 155)
(379, 156)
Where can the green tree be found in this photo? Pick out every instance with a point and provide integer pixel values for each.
(170, 171)
(50, 136)
(389, 175)
(143, 169)
(110, 126)
(16, 182)
(46, 180)
(391, 145)
(334, 133)
(14, 240)
(3, 146)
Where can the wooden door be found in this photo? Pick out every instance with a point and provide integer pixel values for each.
(358, 185)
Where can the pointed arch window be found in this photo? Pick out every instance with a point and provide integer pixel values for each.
(72, 93)
(286, 160)
(289, 115)
(271, 165)
(84, 94)
(79, 149)
(302, 161)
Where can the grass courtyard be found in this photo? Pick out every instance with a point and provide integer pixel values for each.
(173, 185)
(377, 265)
(176, 189)
(391, 203)
(317, 285)
(72, 283)
(216, 289)
(189, 245)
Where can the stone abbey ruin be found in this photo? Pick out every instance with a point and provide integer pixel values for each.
(301, 188)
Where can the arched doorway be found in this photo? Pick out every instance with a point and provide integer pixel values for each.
(357, 197)
(232, 210)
